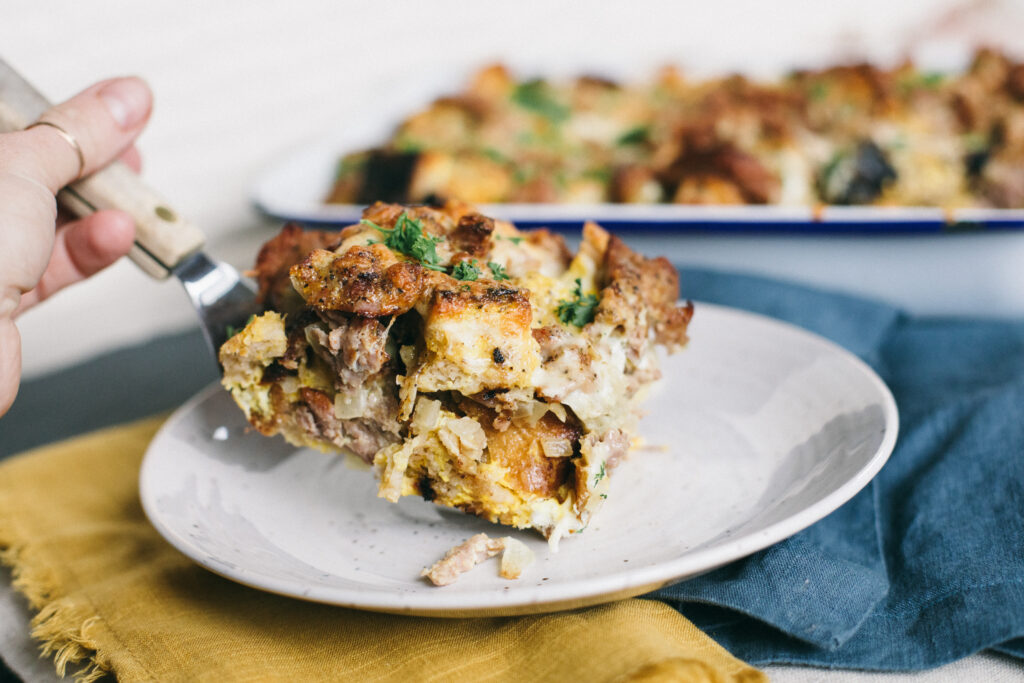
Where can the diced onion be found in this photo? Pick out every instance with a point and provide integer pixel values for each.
(289, 384)
(469, 431)
(408, 355)
(450, 442)
(515, 559)
(426, 415)
(350, 405)
(556, 448)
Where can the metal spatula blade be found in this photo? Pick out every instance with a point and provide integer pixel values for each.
(222, 299)
(165, 243)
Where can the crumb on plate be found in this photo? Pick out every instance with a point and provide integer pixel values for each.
(516, 556)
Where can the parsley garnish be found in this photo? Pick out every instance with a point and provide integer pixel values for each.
(600, 474)
(513, 240)
(522, 175)
(498, 271)
(408, 145)
(470, 270)
(494, 155)
(349, 164)
(604, 496)
(818, 91)
(634, 136)
(929, 81)
(466, 270)
(409, 238)
(580, 310)
(921, 81)
(232, 330)
(975, 142)
(601, 175)
(536, 96)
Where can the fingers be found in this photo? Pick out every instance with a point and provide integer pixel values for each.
(10, 363)
(132, 158)
(104, 119)
(99, 123)
(27, 214)
(82, 248)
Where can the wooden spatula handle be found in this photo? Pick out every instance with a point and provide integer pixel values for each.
(163, 239)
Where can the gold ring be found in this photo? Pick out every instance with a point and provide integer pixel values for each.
(70, 140)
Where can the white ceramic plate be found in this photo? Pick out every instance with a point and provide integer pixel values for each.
(758, 430)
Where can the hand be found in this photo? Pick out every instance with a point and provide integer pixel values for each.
(40, 253)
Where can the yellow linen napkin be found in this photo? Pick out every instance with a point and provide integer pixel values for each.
(112, 596)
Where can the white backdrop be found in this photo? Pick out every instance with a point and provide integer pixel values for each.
(239, 84)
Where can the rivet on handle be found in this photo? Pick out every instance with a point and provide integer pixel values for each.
(166, 214)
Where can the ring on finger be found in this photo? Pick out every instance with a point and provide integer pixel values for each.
(70, 139)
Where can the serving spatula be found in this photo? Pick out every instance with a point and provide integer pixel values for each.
(165, 243)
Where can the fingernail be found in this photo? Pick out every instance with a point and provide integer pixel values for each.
(128, 100)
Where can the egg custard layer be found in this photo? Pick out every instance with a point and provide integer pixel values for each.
(474, 365)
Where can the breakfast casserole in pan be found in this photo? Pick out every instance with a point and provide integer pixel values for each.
(847, 135)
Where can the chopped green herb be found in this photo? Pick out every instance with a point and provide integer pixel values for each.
(513, 240)
(522, 175)
(232, 330)
(466, 270)
(498, 271)
(350, 164)
(526, 139)
(921, 81)
(818, 91)
(634, 136)
(536, 96)
(600, 474)
(604, 496)
(404, 144)
(602, 175)
(975, 141)
(828, 171)
(494, 155)
(409, 238)
(580, 310)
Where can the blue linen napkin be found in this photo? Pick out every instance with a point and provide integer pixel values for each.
(926, 564)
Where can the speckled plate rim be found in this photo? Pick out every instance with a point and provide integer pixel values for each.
(540, 599)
